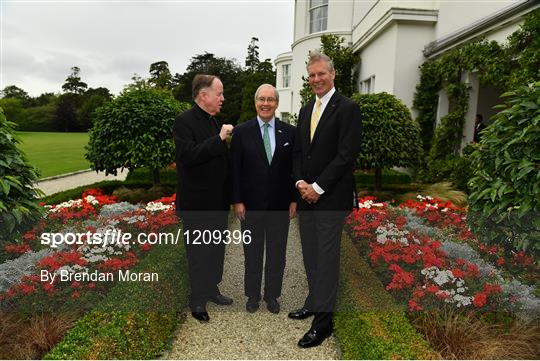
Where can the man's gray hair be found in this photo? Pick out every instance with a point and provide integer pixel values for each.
(264, 86)
(316, 55)
(201, 82)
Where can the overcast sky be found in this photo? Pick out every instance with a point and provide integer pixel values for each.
(111, 40)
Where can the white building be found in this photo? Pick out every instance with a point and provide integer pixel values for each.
(393, 38)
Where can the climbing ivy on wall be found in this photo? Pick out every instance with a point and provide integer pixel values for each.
(505, 66)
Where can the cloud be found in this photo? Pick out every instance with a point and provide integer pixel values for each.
(110, 41)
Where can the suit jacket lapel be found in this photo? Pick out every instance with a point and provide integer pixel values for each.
(280, 139)
(257, 138)
(325, 116)
(306, 124)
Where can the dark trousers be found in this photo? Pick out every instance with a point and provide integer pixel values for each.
(205, 261)
(270, 228)
(320, 235)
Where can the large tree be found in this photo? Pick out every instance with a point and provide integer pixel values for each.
(14, 92)
(252, 58)
(134, 130)
(73, 83)
(228, 70)
(255, 74)
(160, 75)
(92, 100)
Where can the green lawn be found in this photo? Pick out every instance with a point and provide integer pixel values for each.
(55, 153)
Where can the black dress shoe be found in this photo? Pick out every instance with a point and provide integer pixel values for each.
(272, 305)
(314, 338)
(252, 305)
(300, 314)
(219, 299)
(199, 313)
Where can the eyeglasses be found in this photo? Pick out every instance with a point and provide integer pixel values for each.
(269, 100)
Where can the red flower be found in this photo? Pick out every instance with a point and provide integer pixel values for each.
(418, 293)
(489, 288)
(27, 289)
(433, 289)
(414, 306)
(458, 273)
(17, 248)
(146, 247)
(500, 261)
(480, 299)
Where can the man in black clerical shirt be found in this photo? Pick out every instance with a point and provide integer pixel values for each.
(202, 195)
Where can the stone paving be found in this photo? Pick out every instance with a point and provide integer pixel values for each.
(232, 333)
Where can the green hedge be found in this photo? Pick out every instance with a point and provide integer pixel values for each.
(167, 176)
(145, 314)
(368, 323)
(389, 176)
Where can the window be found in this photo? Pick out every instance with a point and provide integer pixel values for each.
(286, 76)
(318, 15)
(367, 86)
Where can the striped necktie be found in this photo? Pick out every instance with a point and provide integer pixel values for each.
(266, 141)
(315, 118)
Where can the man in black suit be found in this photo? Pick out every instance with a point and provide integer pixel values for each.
(327, 144)
(263, 194)
(202, 195)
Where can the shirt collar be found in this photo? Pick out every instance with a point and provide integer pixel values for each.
(272, 122)
(202, 111)
(326, 98)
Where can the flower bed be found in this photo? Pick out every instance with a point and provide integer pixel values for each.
(427, 257)
(83, 237)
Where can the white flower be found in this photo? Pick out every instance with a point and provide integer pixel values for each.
(157, 207)
(92, 200)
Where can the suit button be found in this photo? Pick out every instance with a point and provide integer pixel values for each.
(308, 157)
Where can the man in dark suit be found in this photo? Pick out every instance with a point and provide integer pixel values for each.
(327, 144)
(263, 194)
(202, 195)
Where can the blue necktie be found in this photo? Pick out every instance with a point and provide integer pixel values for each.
(266, 141)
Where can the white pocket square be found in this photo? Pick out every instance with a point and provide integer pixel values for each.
(286, 144)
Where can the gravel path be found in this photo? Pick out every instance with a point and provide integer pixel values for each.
(232, 333)
(70, 181)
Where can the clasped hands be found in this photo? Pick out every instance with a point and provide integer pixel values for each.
(240, 210)
(307, 192)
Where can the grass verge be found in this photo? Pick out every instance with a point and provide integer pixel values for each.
(136, 320)
(55, 153)
(368, 323)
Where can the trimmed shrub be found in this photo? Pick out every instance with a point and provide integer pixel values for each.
(504, 190)
(389, 176)
(18, 204)
(390, 138)
(134, 130)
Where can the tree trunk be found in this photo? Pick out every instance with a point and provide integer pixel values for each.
(155, 176)
(378, 179)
